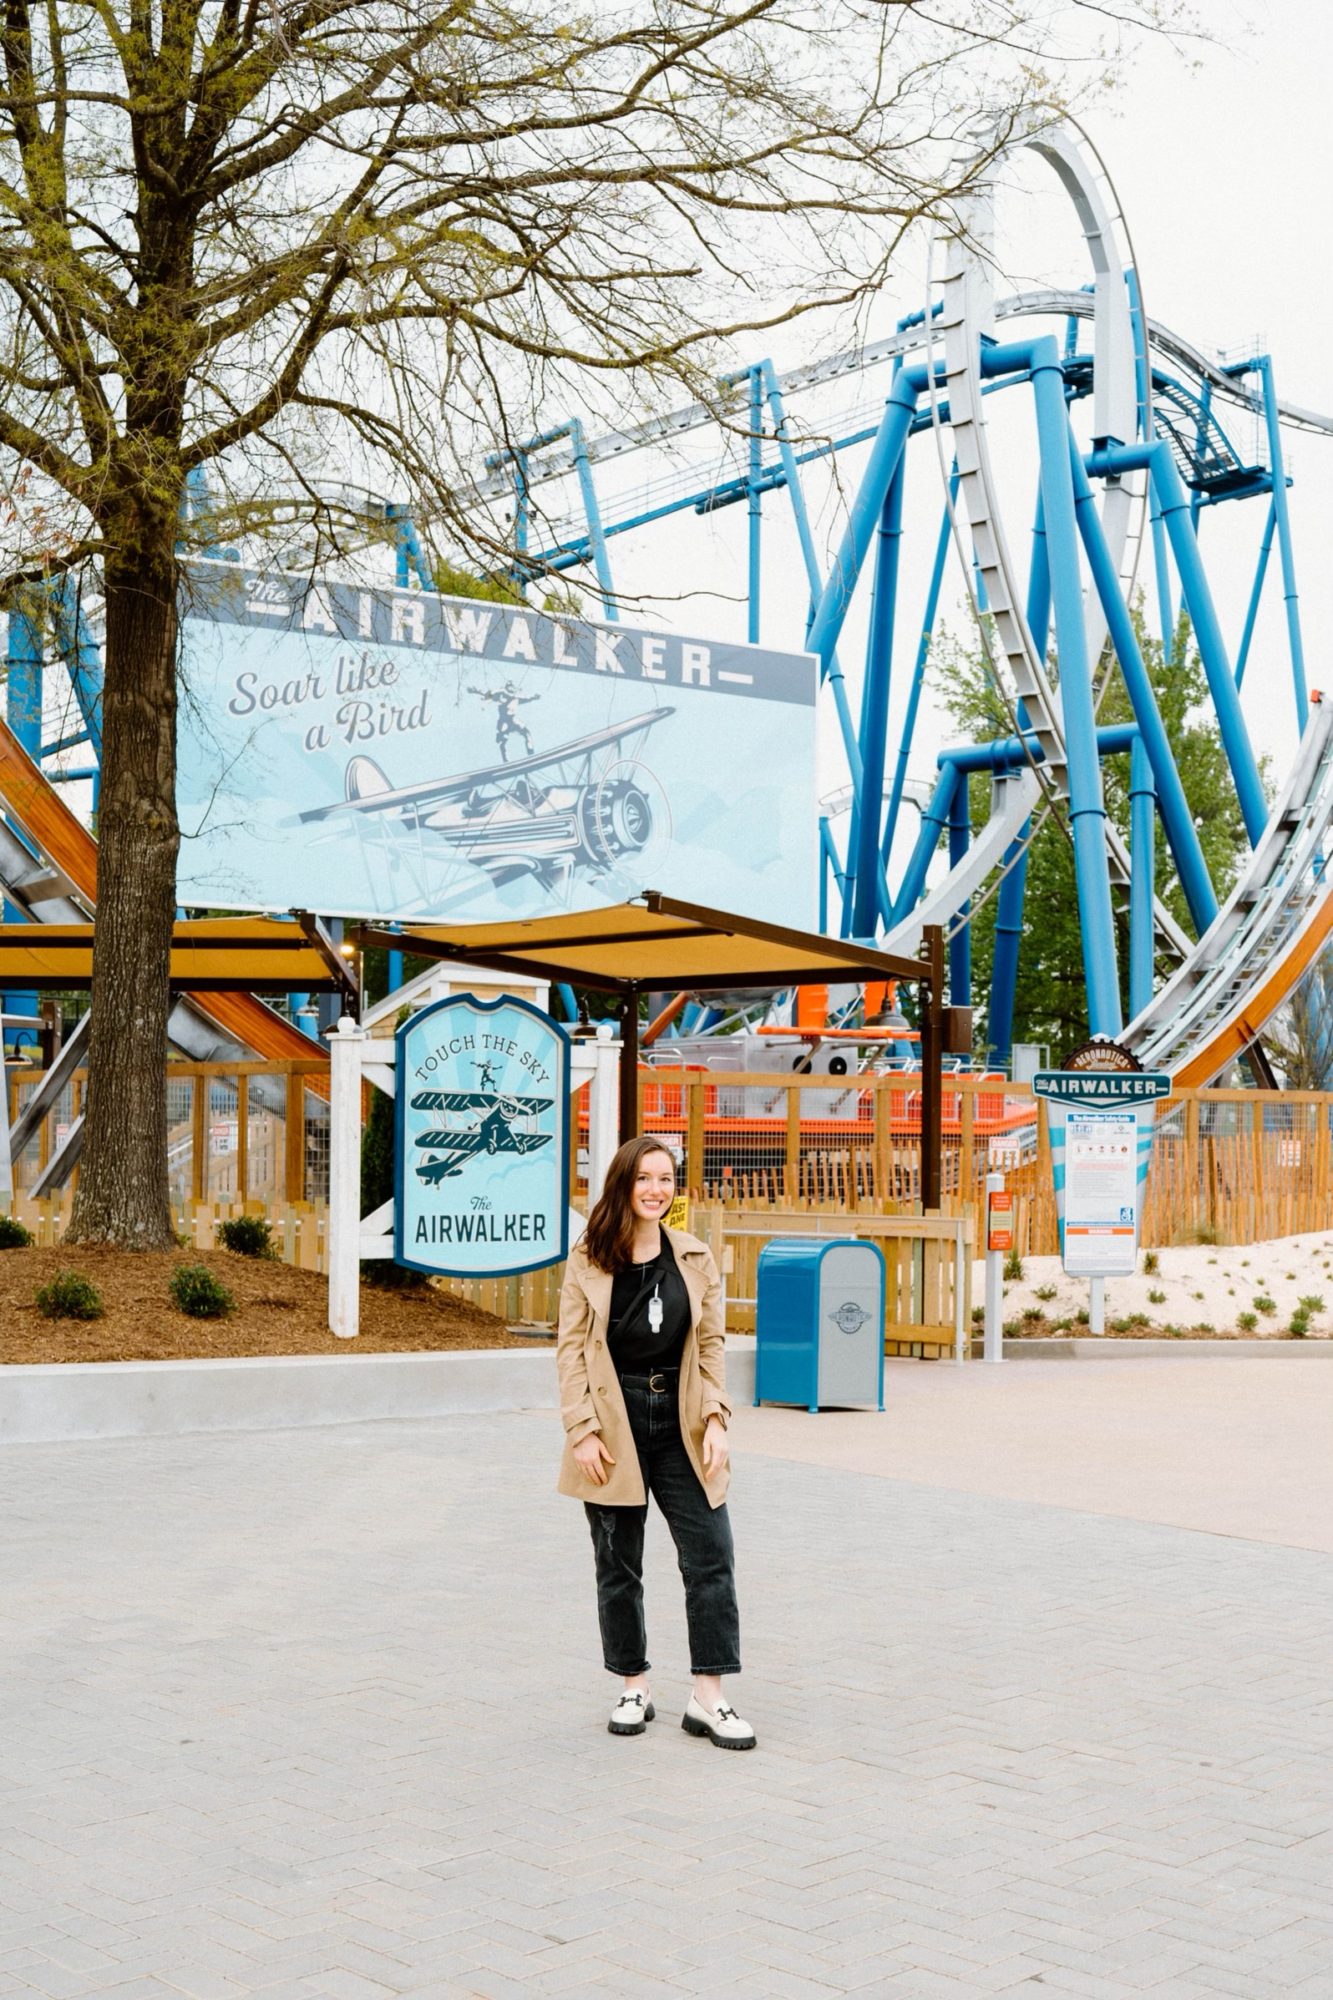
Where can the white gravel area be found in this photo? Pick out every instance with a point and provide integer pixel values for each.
(1193, 1288)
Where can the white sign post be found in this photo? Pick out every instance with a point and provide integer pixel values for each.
(357, 1058)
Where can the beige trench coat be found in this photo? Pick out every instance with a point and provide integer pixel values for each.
(590, 1396)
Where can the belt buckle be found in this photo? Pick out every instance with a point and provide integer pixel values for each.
(657, 1383)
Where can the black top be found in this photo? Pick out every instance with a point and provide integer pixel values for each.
(650, 1315)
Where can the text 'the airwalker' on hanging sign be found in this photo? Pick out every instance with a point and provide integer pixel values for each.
(482, 1154)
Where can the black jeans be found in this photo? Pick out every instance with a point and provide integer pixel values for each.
(702, 1535)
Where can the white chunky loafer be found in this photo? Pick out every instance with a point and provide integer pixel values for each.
(721, 1725)
(632, 1713)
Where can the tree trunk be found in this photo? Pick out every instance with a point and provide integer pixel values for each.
(122, 1196)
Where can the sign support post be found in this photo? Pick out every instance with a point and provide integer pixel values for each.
(999, 1241)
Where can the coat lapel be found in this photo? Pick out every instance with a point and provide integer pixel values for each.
(597, 1287)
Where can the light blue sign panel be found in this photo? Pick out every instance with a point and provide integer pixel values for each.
(390, 753)
(482, 1156)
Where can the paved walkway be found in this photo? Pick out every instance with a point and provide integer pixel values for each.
(319, 1713)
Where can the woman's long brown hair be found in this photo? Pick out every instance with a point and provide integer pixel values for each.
(609, 1237)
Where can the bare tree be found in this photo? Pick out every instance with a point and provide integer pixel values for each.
(1300, 1039)
(275, 237)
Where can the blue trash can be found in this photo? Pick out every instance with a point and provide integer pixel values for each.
(819, 1322)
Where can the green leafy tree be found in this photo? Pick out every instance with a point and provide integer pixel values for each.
(1050, 1002)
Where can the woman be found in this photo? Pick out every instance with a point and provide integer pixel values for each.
(644, 1402)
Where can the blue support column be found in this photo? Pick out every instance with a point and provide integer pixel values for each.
(1087, 810)
(1142, 857)
(828, 859)
(1284, 545)
(1256, 592)
(756, 505)
(885, 452)
(934, 822)
(960, 941)
(1008, 936)
(1212, 646)
(395, 971)
(1181, 832)
(875, 712)
(918, 677)
(830, 668)
(601, 558)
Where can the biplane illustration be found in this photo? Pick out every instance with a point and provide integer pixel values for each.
(494, 1114)
(585, 805)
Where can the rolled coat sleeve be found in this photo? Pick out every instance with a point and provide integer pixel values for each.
(577, 1412)
(712, 1350)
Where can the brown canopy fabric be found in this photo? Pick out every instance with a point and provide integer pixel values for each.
(657, 943)
(208, 955)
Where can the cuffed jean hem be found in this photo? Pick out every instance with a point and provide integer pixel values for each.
(628, 1673)
(714, 1673)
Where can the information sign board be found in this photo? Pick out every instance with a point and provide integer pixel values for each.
(482, 1154)
(1101, 1193)
(1000, 1221)
(1101, 1126)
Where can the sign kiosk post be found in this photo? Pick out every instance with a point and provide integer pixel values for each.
(1101, 1123)
(999, 1242)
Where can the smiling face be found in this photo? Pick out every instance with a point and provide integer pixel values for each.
(654, 1186)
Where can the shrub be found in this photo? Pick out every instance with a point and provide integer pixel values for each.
(1046, 1292)
(1311, 1303)
(1205, 1234)
(1150, 1263)
(1082, 1315)
(246, 1236)
(13, 1236)
(69, 1296)
(1263, 1304)
(1013, 1265)
(1156, 1297)
(196, 1291)
(978, 1314)
(1300, 1324)
(1247, 1322)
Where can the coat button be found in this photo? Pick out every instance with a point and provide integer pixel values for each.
(598, 1345)
(601, 1392)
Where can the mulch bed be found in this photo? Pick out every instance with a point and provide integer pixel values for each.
(279, 1310)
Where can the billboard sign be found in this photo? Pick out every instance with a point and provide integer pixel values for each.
(394, 754)
(482, 1154)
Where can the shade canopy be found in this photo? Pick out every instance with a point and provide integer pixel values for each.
(653, 943)
(208, 955)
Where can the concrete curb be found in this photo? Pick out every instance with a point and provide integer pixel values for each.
(62, 1402)
(1106, 1348)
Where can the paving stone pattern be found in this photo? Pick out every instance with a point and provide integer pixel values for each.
(322, 1714)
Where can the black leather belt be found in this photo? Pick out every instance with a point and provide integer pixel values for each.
(659, 1381)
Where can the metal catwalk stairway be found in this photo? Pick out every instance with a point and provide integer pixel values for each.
(1265, 937)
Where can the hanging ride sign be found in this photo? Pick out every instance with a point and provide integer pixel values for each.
(482, 1150)
(1101, 1127)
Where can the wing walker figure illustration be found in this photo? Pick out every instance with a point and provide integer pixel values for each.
(508, 701)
